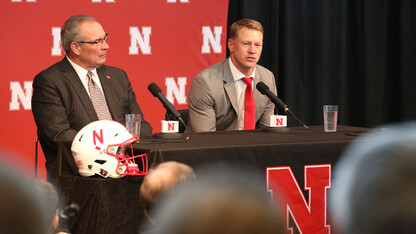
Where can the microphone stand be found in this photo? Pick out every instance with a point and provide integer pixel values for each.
(297, 119)
(173, 136)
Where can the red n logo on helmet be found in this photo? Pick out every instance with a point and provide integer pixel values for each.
(100, 137)
(311, 216)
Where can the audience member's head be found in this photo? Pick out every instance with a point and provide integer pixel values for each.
(50, 194)
(222, 200)
(161, 180)
(21, 209)
(374, 184)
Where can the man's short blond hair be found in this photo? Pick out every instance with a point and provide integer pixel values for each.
(247, 23)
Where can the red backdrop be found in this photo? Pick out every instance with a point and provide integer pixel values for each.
(164, 41)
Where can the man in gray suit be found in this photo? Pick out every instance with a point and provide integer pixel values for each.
(61, 102)
(217, 94)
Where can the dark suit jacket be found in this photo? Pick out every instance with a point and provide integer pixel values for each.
(213, 99)
(61, 107)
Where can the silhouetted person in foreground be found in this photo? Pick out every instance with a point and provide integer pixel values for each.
(374, 187)
(226, 200)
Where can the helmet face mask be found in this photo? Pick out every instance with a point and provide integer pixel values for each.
(105, 148)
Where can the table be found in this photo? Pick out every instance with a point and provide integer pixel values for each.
(295, 147)
(113, 205)
(289, 152)
(106, 205)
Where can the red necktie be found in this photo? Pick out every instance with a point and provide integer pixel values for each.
(249, 106)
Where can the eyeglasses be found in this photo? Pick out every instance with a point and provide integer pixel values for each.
(97, 42)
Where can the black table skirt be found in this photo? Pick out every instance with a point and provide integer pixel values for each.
(294, 147)
(113, 205)
(106, 205)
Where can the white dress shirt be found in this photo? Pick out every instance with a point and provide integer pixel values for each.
(82, 74)
(240, 87)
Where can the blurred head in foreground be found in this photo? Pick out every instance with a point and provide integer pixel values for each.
(50, 194)
(21, 207)
(221, 201)
(374, 188)
(161, 180)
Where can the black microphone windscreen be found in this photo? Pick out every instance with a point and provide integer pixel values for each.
(72, 210)
(262, 87)
(154, 89)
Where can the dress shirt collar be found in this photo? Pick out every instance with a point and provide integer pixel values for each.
(82, 72)
(237, 75)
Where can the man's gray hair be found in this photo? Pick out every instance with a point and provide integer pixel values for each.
(71, 30)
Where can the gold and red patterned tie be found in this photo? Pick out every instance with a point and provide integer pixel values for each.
(98, 99)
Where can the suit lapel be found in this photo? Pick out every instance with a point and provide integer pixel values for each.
(69, 73)
(229, 85)
(257, 95)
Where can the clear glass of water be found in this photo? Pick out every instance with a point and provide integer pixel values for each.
(330, 118)
(133, 123)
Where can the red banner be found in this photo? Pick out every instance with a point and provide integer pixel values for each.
(163, 41)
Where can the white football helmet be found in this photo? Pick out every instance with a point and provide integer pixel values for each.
(104, 148)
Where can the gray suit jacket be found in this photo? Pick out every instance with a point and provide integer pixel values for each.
(213, 100)
(61, 106)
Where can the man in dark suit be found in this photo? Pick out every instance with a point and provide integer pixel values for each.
(61, 102)
(217, 94)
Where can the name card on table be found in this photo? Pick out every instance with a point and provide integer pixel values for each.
(169, 126)
(278, 121)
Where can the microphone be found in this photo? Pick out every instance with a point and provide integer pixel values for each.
(264, 89)
(65, 216)
(157, 92)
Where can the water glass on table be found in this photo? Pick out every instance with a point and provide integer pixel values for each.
(330, 118)
(133, 123)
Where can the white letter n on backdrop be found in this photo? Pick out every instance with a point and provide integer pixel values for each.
(176, 90)
(18, 94)
(56, 36)
(209, 39)
(138, 39)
